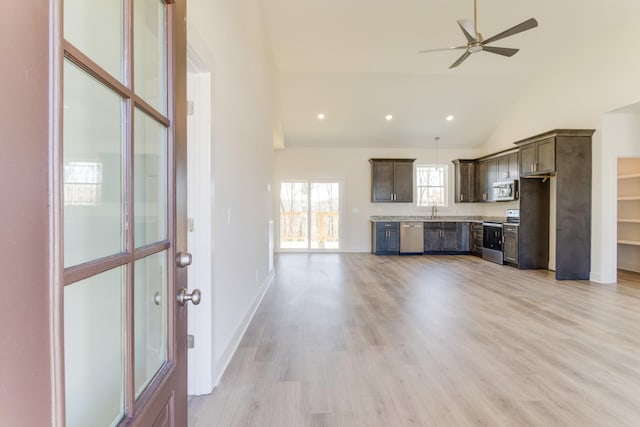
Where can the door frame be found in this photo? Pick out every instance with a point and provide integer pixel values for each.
(200, 370)
(171, 382)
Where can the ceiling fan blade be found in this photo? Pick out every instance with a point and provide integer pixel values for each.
(468, 29)
(504, 51)
(526, 25)
(441, 49)
(460, 60)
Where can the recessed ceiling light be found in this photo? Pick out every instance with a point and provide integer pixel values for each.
(321, 116)
(450, 118)
(388, 117)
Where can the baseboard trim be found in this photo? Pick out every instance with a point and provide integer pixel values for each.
(603, 278)
(231, 349)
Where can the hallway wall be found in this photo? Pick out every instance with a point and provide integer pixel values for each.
(230, 39)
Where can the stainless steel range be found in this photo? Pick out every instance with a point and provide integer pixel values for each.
(492, 240)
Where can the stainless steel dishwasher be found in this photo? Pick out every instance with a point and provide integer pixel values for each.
(411, 237)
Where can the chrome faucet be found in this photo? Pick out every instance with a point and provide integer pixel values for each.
(434, 212)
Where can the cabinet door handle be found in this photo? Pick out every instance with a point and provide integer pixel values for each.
(461, 197)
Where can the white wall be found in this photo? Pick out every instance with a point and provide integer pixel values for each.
(230, 39)
(351, 166)
(576, 94)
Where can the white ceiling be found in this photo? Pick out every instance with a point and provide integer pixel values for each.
(357, 60)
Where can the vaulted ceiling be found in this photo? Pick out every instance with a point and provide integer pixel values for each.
(357, 61)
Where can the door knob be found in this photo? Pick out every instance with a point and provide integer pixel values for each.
(183, 259)
(184, 296)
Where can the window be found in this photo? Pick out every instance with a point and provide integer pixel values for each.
(310, 215)
(431, 187)
(82, 183)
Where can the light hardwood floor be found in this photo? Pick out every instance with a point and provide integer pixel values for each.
(359, 340)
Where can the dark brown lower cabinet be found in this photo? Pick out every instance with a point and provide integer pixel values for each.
(446, 237)
(385, 238)
(510, 246)
(475, 242)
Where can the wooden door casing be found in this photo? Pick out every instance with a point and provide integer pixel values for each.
(26, 250)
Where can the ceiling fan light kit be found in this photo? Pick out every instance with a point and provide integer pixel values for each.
(476, 43)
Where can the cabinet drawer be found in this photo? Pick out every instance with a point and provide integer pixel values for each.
(433, 225)
(441, 225)
(512, 229)
(388, 225)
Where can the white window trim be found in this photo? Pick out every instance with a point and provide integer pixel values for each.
(446, 184)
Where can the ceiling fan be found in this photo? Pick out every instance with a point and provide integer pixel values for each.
(475, 41)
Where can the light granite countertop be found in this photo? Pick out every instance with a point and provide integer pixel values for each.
(428, 218)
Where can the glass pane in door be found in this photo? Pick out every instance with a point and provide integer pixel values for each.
(150, 50)
(325, 215)
(92, 169)
(150, 318)
(294, 215)
(96, 28)
(150, 182)
(94, 350)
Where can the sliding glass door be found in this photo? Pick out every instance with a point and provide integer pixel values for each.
(310, 215)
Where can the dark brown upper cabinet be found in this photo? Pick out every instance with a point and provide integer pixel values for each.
(538, 158)
(465, 179)
(486, 175)
(474, 179)
(392, 180)
(508, 167)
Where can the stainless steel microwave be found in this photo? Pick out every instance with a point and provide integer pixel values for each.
(504, 191)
